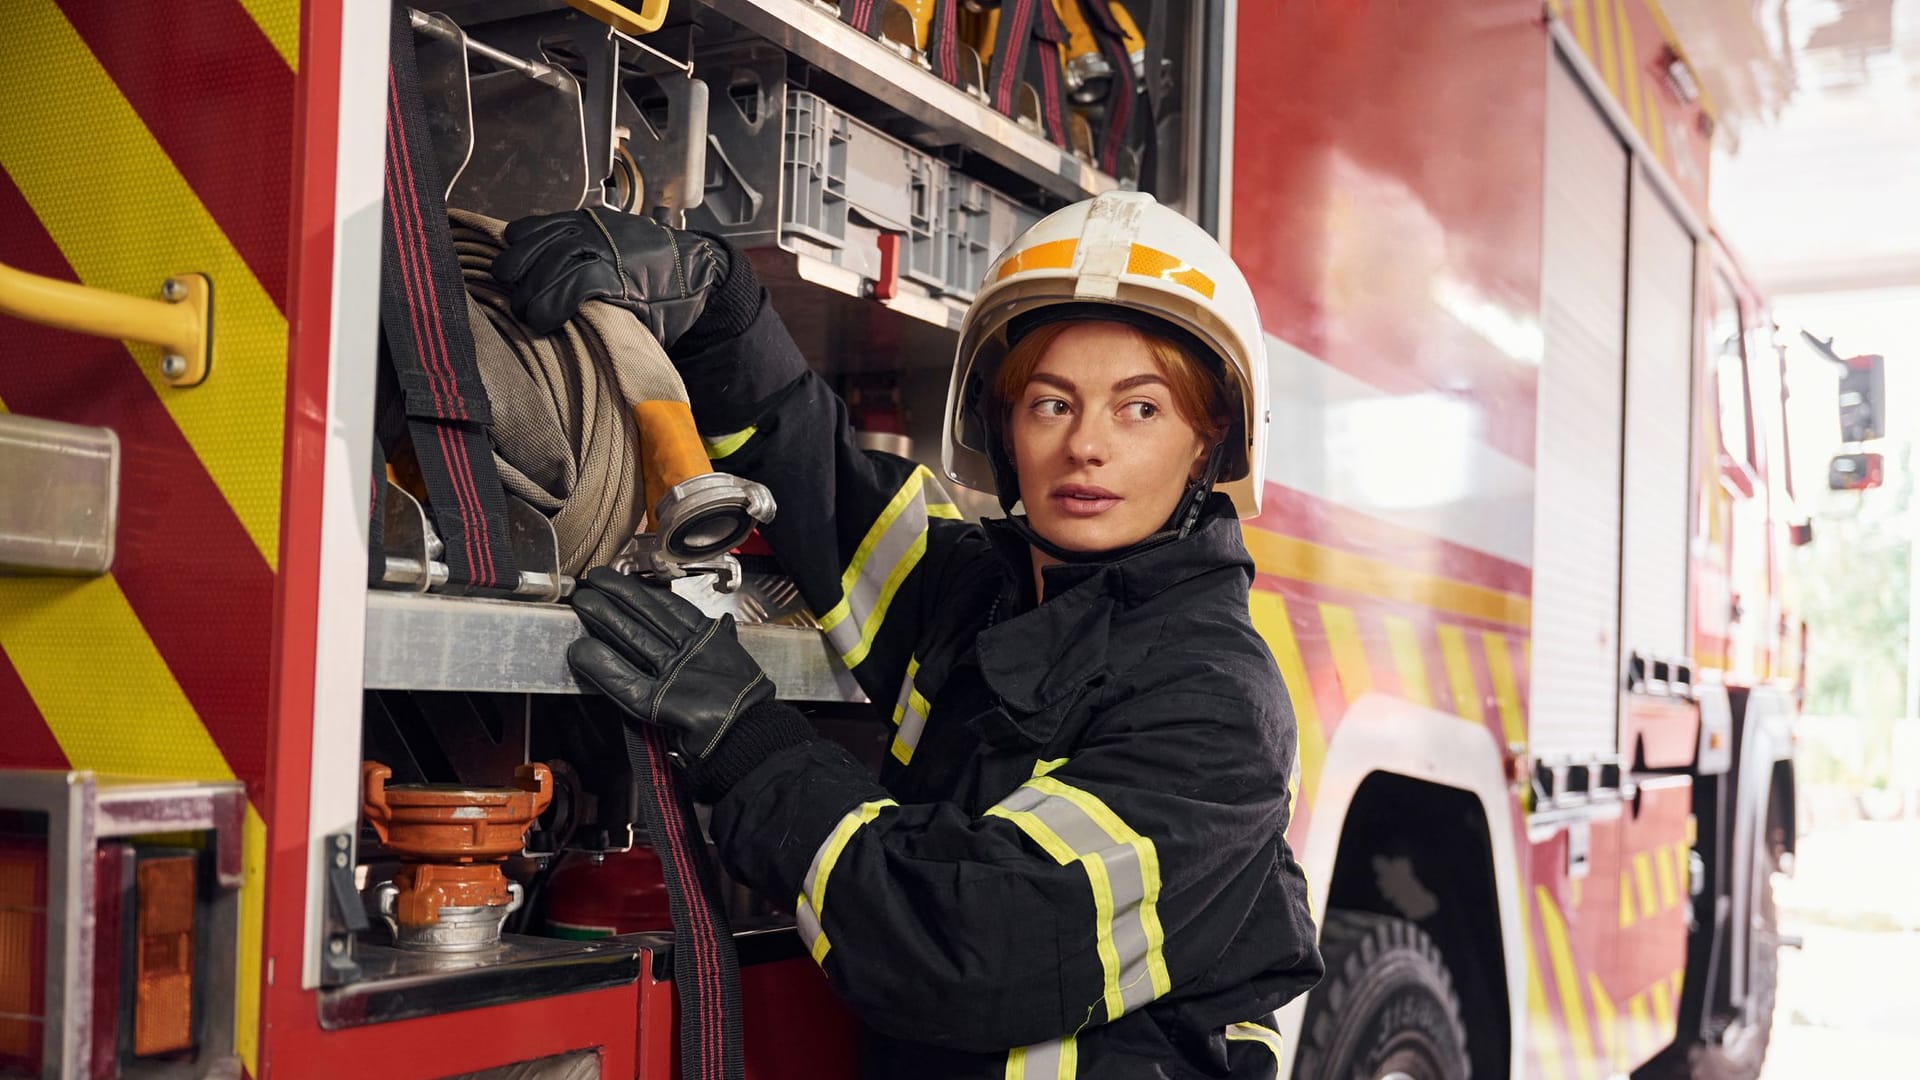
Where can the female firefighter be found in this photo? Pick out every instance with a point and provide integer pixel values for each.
(1074, 860)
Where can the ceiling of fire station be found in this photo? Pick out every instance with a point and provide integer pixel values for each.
(1817, 182)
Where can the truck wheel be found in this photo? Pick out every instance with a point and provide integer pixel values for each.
(1387, 1009)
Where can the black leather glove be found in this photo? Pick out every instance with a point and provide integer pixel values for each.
(557, 262)
(663, 661)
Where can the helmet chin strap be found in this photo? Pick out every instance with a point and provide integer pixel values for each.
(1186, 515)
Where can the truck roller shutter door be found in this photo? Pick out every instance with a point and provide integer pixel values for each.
(1574, 694)
(1654, 525)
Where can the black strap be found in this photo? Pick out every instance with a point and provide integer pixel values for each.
(423, 309)
(863, 15)
(1120, 120)
(1010, 52)
(706, 971)
(1049, 51)
(1155, 90)
(1029, 36)
(943, 41)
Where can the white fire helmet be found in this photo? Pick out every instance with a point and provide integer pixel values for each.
(1126, 250)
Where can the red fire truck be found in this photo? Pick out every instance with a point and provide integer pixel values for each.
(1521, 561)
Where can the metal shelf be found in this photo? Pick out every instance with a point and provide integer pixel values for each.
(426, 642)
(950, 115)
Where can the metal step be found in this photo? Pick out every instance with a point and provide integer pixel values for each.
(421, 641)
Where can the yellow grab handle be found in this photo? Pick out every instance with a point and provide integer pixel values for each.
(181, 324)
(623, 18)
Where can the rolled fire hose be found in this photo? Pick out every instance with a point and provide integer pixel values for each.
(592, 427)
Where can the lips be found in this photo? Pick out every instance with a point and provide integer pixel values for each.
(1083, 500)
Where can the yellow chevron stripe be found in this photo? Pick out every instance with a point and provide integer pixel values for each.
(1626, 901)
(129, 234)
(1582, 28)
(95, 675)
(1407, 661)
(1679, 981)
(1663, 870)
(1629, 88)
(1683, 867)
(1603, 26)
(1506, 692)
(1466, 696)
(1302, 560)
(280, 21)
(1546, 1034)
(1349, 656)
(1572, 1004)
(1605, 1019)
(1270, 619)
(1640, 1027)
(1662, 1012)
(1657, 131)
(1643, 876)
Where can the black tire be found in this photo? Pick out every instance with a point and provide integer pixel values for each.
(1741, 1049)
(1387, 1007)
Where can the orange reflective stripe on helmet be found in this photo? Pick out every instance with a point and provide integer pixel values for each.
(1152, 262)
(1052, 255)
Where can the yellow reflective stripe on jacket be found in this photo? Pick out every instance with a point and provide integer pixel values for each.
(1055, 1060)
(909, 716)
(1248, 1031)
(813, 890)
(1123, 867)
(891, 549)
(723, 445)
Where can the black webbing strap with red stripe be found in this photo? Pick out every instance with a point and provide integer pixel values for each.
(1119, 120)
(706, 970)
(1010, 35)
(1049, 49)
(862, 15)
(423, 309)
(943, 41)
(1029, 33)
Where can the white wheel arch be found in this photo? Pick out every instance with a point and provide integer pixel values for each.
(1380, 734)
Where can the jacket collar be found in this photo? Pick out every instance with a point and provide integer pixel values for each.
(1045, 656)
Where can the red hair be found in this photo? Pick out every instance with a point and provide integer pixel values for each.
(1198, 394)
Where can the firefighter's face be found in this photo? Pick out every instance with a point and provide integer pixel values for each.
(1102, 454)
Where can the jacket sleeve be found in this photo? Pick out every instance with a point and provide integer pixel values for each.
(1109, 879)
(861, 532)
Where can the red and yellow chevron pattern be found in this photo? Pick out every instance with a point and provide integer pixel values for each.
(159, 140)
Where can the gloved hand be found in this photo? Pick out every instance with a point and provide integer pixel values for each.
(557, 262)
(663, 661)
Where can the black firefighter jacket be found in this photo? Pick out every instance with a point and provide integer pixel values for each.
(1074, 861)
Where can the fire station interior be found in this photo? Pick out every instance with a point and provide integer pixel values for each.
(870, 205)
